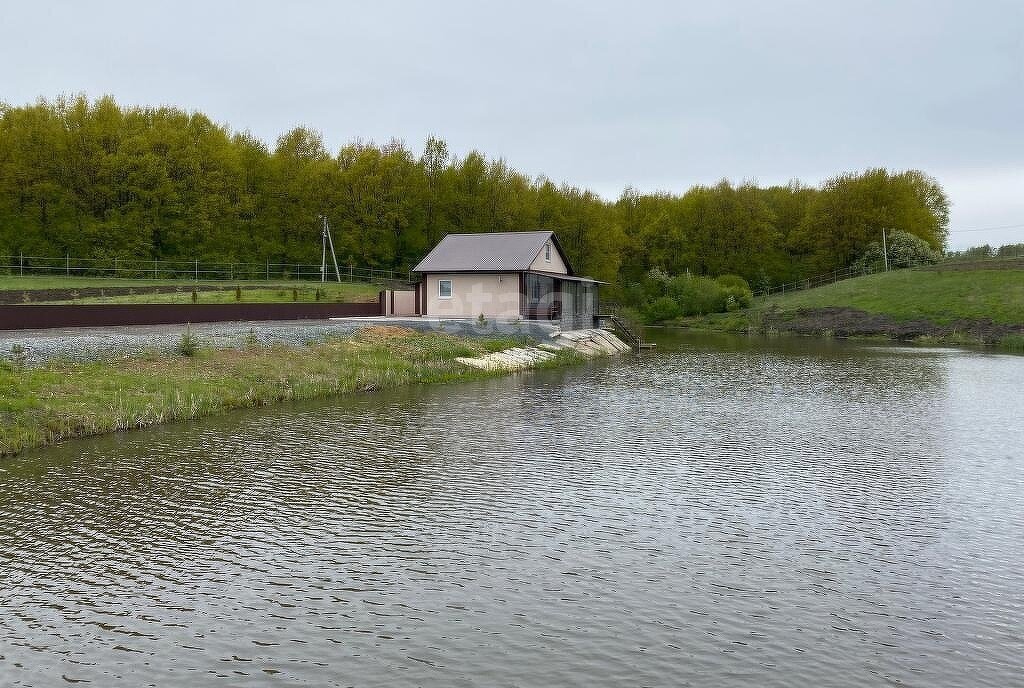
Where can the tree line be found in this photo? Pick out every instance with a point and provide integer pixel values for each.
(986, 251)
(94, 179)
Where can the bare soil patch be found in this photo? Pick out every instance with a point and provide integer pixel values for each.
(850, 322)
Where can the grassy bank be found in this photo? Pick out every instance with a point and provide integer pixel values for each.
(936, 295)
(959, 307)
(40, 406)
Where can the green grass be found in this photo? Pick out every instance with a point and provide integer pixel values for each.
(265, 292)
(15, 282)
(1012, 342)
(919, 294)
(958, 304)
(344, 292)
(43, 405)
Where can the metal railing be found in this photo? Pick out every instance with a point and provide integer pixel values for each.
(633, 338)
(195, 270)
(860, 271)
(815, 281)
(549, 312)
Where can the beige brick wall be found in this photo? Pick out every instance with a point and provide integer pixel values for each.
(494, 295)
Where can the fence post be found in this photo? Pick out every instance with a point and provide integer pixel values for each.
(268, 269)
(197, 271)
(115, 267)
(67, 264)
(21, 263)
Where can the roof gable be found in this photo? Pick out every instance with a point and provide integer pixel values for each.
(489, 252)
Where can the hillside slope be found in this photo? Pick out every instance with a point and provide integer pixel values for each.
(954, 306)
(941, 296)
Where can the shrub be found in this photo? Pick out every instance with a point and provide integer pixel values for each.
(691, 295)
(661, 309)
(1012, 342)
(251, 340)
(733, 281)
(656, 283)
(905, 250)
(188, 344)
(19, 355)
(698, 295)
(763, 283)
(737, 292)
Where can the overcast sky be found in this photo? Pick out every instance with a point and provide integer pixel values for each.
(659, 96)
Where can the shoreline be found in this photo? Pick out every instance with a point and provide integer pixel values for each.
(837, 322)
(59, 399)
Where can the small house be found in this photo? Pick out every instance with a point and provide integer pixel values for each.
(504, 276)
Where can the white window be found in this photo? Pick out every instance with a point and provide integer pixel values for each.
(547, 252)
(444, 289)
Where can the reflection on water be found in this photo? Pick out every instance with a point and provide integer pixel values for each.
(720, 512)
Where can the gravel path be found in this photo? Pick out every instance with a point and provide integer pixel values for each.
(105, 343)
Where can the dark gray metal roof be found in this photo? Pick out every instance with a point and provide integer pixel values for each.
(569, 278)
(497, 251)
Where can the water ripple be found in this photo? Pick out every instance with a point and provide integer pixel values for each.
(718, 513)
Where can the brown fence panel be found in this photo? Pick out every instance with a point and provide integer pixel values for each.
(42, 316)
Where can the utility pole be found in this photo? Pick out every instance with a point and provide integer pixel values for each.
(885, 250)
(323, 249)
(325, 240)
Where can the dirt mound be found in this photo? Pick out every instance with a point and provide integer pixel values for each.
(383, 332)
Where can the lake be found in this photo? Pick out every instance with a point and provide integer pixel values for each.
(720, 511)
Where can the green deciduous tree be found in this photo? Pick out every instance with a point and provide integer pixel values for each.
(95, 179)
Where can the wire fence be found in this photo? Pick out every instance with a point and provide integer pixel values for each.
(953, 262)
(819, 280)
(195, 270)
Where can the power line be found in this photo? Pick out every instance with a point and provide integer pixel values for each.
(985, 229)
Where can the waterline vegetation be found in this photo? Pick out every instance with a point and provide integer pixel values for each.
(62, 400)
